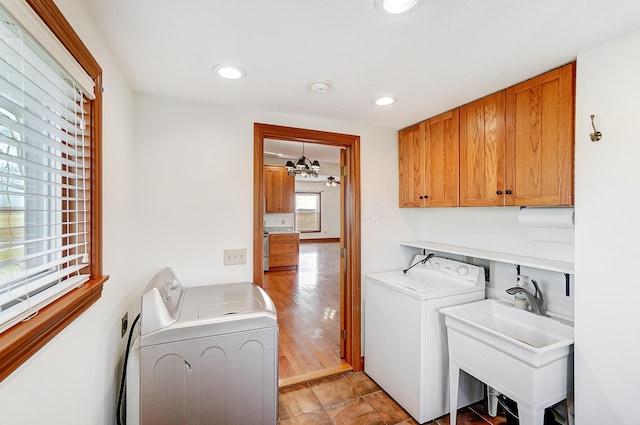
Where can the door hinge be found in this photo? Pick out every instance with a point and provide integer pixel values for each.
(343, 253)
(344, 171)
(344, 334)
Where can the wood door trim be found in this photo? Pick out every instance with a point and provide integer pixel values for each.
(350, 183)
(320, 240)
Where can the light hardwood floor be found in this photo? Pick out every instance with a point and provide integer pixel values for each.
(308, 303)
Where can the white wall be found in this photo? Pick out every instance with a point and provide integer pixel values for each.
(489, 228)
(498, 229)
(73, 379)
(192, 202)
(552, 285)
(607, 339)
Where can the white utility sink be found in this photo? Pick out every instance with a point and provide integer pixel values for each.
(527, 357)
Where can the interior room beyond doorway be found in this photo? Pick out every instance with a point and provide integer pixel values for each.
(308, 303)
(349, 262)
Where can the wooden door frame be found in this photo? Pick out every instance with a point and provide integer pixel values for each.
(351, 185)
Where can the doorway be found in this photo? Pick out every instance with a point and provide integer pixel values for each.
(349, 229)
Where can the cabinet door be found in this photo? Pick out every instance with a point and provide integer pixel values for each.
(284, 249)
(540, 122)
(442, 157)
(482, 152)
(411, 154)
(288, 194)
(279, 190)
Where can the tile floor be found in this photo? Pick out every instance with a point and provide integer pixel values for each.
(354, 399)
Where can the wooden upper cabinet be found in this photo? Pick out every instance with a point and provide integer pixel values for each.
(482, 150)
(540, 138)
(428, 154)
(442, 164)
(411, 153)
(513, 147)
(279, 189)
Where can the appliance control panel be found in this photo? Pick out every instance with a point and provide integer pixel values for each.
(434, 267)
(161, 302)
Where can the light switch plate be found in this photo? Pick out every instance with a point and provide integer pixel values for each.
(235, 256)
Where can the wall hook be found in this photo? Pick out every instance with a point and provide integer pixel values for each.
(596, 135)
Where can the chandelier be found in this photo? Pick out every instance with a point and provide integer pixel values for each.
(303, 166)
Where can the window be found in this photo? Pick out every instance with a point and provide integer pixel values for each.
(50, 187)
(308, 211)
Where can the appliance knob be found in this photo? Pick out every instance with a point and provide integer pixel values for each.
(462, 270)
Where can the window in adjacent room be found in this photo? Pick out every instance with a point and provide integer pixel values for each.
(50, 227)
(307, 211)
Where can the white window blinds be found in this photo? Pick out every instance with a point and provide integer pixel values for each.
(45, 177)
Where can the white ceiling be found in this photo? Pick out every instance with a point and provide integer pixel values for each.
(445, 54)
(293, 150)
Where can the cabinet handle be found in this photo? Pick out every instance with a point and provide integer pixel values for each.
(508, 192)
(423, 196)
(499, 192)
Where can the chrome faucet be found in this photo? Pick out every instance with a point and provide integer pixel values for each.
(536, 301)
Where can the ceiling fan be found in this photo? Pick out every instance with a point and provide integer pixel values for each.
(331, 182)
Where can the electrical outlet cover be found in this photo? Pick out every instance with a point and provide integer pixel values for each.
(124, 325)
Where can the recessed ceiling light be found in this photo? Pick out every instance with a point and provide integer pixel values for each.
(230, 72)
(384, 100)
(396, 7)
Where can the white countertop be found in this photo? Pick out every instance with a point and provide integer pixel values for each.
(272, 230)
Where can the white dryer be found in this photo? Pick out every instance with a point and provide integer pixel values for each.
(205, 355)
(405, 339)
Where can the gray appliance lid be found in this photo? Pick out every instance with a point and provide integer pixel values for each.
(215, 310)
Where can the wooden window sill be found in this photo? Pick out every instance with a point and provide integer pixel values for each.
(25, 339)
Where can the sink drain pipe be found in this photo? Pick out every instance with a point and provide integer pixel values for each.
(492, 401)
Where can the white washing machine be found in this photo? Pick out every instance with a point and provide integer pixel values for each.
(205, 355)
(405, 338)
